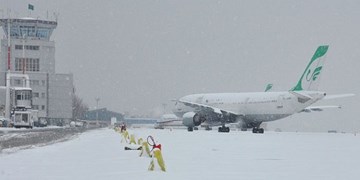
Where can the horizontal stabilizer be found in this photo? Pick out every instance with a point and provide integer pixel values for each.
(319, 108)
(302, 97)
(335, 96)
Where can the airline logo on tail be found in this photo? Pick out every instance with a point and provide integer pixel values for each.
(310, 78)
(314, 74)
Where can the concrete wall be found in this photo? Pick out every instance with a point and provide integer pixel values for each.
(60, 95)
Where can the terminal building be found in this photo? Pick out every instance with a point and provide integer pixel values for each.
(33, 52)
(102, 114)
(105, 115)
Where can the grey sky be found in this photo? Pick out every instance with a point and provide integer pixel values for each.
(137, 55)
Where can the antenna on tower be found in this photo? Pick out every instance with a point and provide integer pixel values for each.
(8, 13)
(56, 15)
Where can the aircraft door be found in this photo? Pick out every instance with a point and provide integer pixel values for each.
(280, 102)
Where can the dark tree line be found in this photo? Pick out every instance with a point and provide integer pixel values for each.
(79, 107)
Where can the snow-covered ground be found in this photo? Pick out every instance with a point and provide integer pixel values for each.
(98, 154)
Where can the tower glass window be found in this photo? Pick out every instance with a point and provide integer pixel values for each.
(43, 32)
(27, 31)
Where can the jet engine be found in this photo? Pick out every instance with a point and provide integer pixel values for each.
(191, 119)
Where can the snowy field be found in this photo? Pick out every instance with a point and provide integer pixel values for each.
(98, 154)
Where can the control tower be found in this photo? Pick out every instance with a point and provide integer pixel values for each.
(27, 48)
(34, 35)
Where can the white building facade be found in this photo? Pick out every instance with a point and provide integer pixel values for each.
(33, 52)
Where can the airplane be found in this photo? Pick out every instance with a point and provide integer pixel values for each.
(180, 111)
(253, 108)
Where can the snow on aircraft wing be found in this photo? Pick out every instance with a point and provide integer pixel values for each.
(318, 108)
(208, 108)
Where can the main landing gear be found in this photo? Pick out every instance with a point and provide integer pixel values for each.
(191, 129)
(223, 128)
(258, 130)
(224, 118)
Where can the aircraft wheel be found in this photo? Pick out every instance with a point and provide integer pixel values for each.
(224, 129)
(254, 130)
(227, 129)
(261, 131)
(190, 129)
(258, 130)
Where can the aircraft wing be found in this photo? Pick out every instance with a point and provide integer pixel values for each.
(205, 107)
(319, 108)
(335, 96)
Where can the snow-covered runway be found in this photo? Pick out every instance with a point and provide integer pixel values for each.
(201, 154)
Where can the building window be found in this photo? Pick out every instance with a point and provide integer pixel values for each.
(27, 47)
(23, 95)
(14, 31)
(43, 32)
(43, 107)
(35, 48)
(18, 47)
(30, 64)
(43, 82)
(35, 94)
(28, 31)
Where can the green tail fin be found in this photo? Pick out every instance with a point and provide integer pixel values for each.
(268, 87)
(310, 78)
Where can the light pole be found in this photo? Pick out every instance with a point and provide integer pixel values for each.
(7, 98)
(23, 56)
(164, 106)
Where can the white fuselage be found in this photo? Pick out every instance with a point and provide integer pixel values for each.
(256, 106)
(169, 120)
